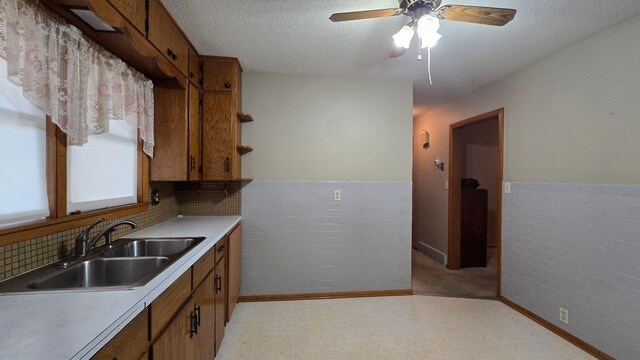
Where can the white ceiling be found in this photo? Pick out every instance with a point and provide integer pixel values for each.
(296, 36)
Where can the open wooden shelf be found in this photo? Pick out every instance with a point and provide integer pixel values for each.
(244, 149)
(244, 117)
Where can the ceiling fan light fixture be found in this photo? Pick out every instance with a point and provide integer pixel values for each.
(428, 27)
(430, 40)
(403, 37)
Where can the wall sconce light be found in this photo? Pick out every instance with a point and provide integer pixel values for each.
(439, 165)
(424, 139)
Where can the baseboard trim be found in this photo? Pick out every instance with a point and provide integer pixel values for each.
(558, 331)
(333, 295)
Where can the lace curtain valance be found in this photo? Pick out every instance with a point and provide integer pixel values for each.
(71, 78)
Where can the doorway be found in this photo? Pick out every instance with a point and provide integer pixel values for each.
(475, 204)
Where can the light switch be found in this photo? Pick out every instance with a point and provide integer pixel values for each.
(507, 188)
(446, 184)
(336, 195)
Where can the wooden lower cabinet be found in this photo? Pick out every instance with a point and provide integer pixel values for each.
(187, 320)
(176, 340)
(220, 300)
(204, 302)
(131, 343)
(233, 275)
(191, 334)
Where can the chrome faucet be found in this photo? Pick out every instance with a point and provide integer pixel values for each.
(84, 243)
(106, 232)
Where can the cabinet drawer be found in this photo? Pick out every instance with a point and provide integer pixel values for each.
(221, 248)
(167, 304)
(203, 267)
(130, 343)
(166, 36)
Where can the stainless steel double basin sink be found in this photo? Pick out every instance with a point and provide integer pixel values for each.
(128, 263)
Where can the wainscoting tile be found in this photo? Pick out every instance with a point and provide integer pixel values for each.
(297, 239)
(577, 246)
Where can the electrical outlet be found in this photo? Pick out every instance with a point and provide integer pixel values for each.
(446, 184)
(564, 315)
(336, 195)
(507, 188)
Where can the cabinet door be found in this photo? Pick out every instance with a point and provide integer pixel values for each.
(194, 67)
(130, 343)
(165, 306)
(203, 298)
(133, 10)
(195, 133)
(220, 75)
(176, 340)
(171, 131)
(220, 298)
(218, 135)
(233, 276)
(167, 37)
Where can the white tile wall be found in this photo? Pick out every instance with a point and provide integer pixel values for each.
(577, 246)
(297, 239)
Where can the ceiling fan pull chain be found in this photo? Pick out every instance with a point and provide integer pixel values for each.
(429, 64)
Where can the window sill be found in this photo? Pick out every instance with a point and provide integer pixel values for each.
(45, 227)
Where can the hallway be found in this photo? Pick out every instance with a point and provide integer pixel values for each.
(428, 277)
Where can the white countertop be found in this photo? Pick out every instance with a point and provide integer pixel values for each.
(76, 324)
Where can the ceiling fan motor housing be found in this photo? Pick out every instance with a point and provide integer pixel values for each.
(417, 8)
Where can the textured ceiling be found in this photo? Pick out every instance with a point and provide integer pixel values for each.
(296, 36)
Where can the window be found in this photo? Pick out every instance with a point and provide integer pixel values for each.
(23, 190)
(103, 172)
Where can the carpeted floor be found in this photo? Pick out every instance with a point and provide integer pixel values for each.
(429, 277)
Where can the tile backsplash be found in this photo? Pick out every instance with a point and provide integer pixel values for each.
(298, 239)
(21, 257)
(576, 246)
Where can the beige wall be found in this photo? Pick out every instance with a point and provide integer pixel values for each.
(327, 128)
(571, 117)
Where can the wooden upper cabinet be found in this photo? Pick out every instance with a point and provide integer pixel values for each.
(133, 10)
(194, 67)
(195, 134)
(167, 37)
(220, 74)
(218, 146)
(171, 132)
(222, 80)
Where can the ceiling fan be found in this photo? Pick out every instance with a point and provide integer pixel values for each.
(425, 18)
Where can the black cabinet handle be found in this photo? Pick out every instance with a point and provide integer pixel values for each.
(197, 310)
(227, 164)
(172, 54)
(227, 85)
(218, 284)
(191, 75)
(193, 162)
(193, 325)
(221, 249)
